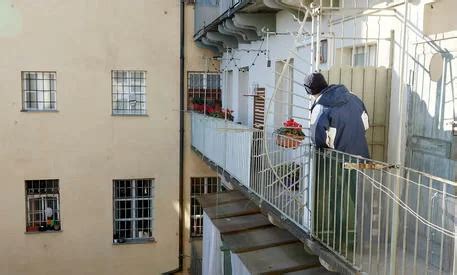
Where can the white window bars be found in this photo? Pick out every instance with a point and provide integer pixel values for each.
(133, 210)
(42, 205)
(39, 91)
(199, 187)
(128, 92)
(203, 88)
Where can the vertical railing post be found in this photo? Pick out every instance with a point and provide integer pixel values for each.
(225, 145)
(250, 140)
(454, 267)
(312, 187)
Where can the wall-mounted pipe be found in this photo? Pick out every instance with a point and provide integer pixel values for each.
(181, 142)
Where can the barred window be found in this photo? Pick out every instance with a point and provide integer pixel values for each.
(133, 210)
(128, 92)
(39, 91)
(203, 88)
(364, 56)
(42, 205)
(323, 50)
(201, 186)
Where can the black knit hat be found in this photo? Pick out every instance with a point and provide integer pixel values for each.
(315, 83)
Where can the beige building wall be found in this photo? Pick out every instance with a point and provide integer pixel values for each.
(82, 144)
(193, 165)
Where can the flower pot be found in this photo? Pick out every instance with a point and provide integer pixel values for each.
(32, 228)
(289, 141)
(197, 107)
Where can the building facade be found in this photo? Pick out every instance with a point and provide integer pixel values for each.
(90, 140)
(398, 57)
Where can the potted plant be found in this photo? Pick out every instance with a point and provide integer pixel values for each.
(290, 135)
(32, 228)
(197, 104)
(290, 175)
(222, 114)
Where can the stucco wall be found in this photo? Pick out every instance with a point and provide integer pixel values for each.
(261, 75)
(82, 145)
(193, 166)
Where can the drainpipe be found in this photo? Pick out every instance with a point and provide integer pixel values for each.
(181, 141)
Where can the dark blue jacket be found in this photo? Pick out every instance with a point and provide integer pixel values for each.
(339, 121)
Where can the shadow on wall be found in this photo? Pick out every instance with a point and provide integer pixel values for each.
(431, 144)
(10, 19)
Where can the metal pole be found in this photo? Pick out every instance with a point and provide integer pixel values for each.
(395, 210)
(353, 41)
(318, 38)
(312, 44)
(205, 85)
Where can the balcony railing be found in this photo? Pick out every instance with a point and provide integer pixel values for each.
(380, 219)
(207, 11)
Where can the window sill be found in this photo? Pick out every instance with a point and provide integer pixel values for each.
(39, 111)
(132, 115)
(139, 241)
(43, 232)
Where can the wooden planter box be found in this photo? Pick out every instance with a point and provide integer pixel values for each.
(289, 141)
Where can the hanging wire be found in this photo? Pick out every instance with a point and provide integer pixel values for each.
(252, 64)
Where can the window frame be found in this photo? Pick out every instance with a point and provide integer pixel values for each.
(201, 84)
(133, 199)
(30, 225)
(368, 58)
(196, 211)
(129, 112)
(24, 107)
(323, 51)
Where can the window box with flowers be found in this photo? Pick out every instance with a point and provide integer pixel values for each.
(290, 135)
(222, 114)
(198, 104)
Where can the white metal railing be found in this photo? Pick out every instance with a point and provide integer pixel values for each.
(384, 219)
(381, 219)
(225, 5)
(206, 12)
(225, 143)
(241, 152)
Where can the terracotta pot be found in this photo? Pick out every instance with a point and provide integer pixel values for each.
(197, 107)
(289, 141)
(33, 228)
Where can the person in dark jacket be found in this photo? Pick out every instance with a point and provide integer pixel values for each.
(338, 121)
(338, 118)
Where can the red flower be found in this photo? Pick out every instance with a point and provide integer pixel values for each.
(209, 109)
(291, 123)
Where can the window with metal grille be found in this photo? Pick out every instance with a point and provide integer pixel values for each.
(323, 51)
(39, 91)
(364, 55)
(128, 92)
(42, 205)
(200, 186)
(133, 210)
(203, 88)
